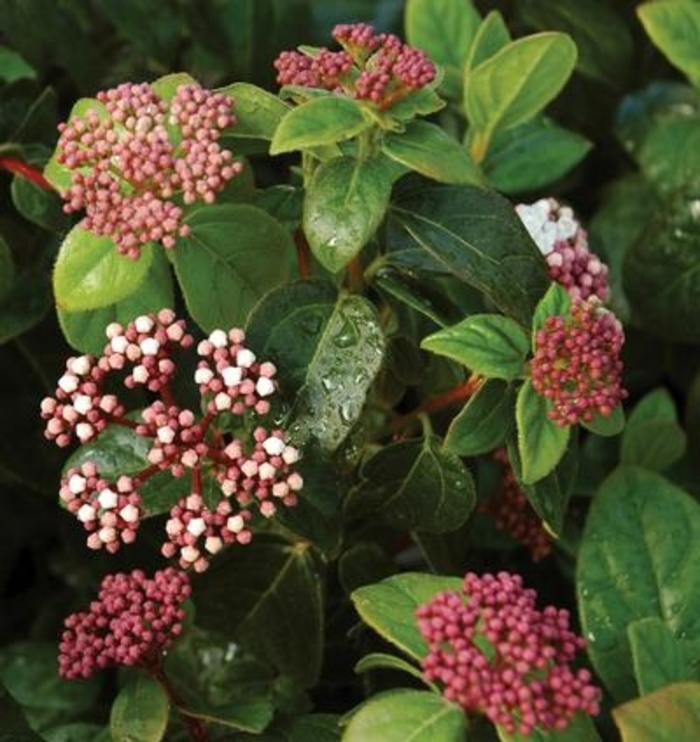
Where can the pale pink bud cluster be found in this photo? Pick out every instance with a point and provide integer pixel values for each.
(110, 512)
(494, 653)
(375, 67)
(196, 533)
(133, 620)
(564, 244)
(577, 365)
(513, 514)
(131, 157)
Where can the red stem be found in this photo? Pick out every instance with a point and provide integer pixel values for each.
(167, 395)
(303, 254)
(13, 165)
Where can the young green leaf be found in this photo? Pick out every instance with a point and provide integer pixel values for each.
(555, 303)
(258, 112)
(91, 274)
(612, 424)
(541, 442)
(489, 344)
(345, 203)
(140, 711)
(637, 559)
(320, 121)
(491, 36)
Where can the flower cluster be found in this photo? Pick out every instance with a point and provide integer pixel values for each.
(132, 153)
(251, 466)
(577, 365)
(378, 68)
(496, 654)
(132, 621)
(564, 243)
(513, 514)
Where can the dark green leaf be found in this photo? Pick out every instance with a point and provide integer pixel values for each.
(676, 706)
(484, 422)
(140, 711)
(661, 276)
(670, 153)
(637, 559)
(269, 597)
(154, 30)
(475, 235)
(77, 732)
(489, 344)
(532, 155)
(13, 66)
(233, 256)
(381, 661)
(317, 122)
(653, 438)
(39, 205)
(612, 424)
(579, 729)
(407, 716)
(491, 36)
(674, 26)
(258, 112)
(91, 274)
(389, 607)
(327, 349)
(363, 563)
(660, 657)
(344, 204)
(603, 39)
(7, 268)
(430, 151)
(13, 725)
(541, 441)
(444, 29)
(415, 485)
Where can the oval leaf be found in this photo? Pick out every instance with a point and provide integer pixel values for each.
(489, 344)
(140, 711)
(258, 112)
(234, 255)
(90, 273)
(345, 203)
(317, 122)
(407, 716)
(637, 559)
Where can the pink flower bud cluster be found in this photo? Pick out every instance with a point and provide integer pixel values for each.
(577, 365)
(564, 243)
(136, 158)
(494, 653)
(110, 512)
(513, 514)
(251, 468)
(375, 67)
(133, 620)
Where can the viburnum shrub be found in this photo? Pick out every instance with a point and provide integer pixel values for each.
(350, 371)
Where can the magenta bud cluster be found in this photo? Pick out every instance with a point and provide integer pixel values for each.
(577, 365)
(378, 68)
(136, 160)
(495, 653)
(513, 514)
(225, 444)
(564, 244)
(132, 621)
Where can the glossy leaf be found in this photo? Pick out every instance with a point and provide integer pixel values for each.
(674, 26)
(660, 271)
(90, 273)
(518, 81)
(389, 607)
(444, 29)
(491, 36)
(233, 256)
(541, 441)
(607, 425)
(258, 112)
(406, 716)
(269, 597)
(653, 438)
(345, 203)
(580, 729)
(39, 205)
(415, 485)
(319, 121)
(327, 349)
(602, 37)
(475, 235)
(532, 155)
(85, 331)
(430, 151)
(659, 657)
(636, 560)
(484, 422)
(140, 711)
(489, 344)
(668, 715)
